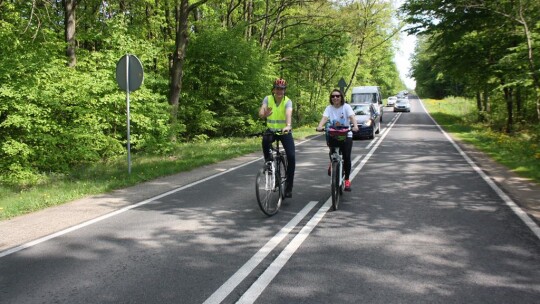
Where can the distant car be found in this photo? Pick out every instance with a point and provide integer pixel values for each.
(367, 117)
(391, 101)
(402, 105)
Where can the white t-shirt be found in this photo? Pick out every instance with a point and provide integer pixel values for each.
(339, 115)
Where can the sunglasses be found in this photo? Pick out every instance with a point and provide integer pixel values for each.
(336, 96)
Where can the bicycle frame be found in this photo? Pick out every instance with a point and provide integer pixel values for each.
(337, 157)
(276, 154)
(337, 179)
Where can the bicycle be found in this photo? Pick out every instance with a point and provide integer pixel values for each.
(271, 179)
(337, 176)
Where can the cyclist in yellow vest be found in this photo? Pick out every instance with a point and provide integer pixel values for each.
(277, 110)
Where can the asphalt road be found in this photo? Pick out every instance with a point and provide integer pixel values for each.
(420, 226)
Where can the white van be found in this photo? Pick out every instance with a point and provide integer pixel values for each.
(370, 94)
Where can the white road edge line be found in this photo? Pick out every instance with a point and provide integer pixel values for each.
(222, 292)
(507, 200)
(122, 210)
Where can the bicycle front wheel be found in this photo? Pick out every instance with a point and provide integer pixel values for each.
(335, 185)
(268, 192)
(282, 165)
(342, 181)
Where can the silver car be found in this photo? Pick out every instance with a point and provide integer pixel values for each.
(391, 101)
(402, 105)
(368, 120)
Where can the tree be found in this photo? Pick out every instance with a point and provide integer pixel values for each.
(477, 47)
(524, 13)
(183, 9)
(70, 28)
(370, 30)
(60, 106)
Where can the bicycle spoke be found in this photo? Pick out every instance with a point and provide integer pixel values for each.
(270, 182)
(268, 195)
(335, 185)
(283, 175)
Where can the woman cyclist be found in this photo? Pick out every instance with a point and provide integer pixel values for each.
(339, 113)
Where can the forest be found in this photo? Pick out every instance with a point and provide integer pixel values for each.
(484, 50)
(207, 66)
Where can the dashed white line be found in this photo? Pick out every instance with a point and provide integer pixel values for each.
(268, 275)
(222, 292)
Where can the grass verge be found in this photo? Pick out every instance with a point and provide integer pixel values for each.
(519, 151)
(104, 177)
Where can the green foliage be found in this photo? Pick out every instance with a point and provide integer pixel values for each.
(224, 84)
(36, 192)
(486, 49)
(520, 151)
(54, 118)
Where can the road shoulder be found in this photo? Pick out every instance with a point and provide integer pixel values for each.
(29, 227)
(524, 192)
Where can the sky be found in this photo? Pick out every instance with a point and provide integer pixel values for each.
(402, 58)
(403, 55)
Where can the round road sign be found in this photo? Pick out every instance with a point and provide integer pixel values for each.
(129, 70)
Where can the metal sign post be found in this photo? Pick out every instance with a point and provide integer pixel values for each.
(127, 114)
(129, 75)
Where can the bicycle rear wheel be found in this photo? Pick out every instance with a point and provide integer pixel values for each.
(335, 185)
(268, 191)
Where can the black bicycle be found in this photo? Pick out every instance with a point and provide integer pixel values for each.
(337, 180)
(271, 179)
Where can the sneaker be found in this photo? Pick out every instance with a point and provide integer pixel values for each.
(330, 169)
(347, 185)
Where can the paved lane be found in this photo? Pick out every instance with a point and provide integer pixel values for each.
(420, 226)
(424, 227)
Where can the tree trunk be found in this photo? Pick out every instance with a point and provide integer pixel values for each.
(486, 99)
(230, 10)
(264, 28)
(69, 30)
(357, 64)
(478, 100)
(530, 57)
(177, 70)
(519, 104)
(248, 17)
(509, 108)
(178, 61)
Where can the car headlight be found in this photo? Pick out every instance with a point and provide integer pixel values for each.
(367, 123)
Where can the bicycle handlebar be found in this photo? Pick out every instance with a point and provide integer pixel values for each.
(324, 129)
(269, 132)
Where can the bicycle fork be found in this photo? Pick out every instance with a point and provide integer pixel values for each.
(270, 182)
(337, 158)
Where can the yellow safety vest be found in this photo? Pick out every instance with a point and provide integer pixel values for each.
(278, 119)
